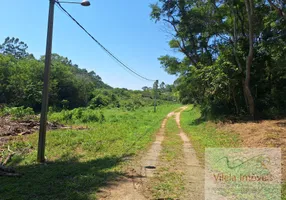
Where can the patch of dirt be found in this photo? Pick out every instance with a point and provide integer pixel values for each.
(9, 128)
(266, 133)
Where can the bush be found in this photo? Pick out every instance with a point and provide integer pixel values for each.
(99, 101)
(78, 115)
(17, 112)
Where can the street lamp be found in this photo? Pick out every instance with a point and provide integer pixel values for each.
(83, 3)
(44, 110)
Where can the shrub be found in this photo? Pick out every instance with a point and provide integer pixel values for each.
(78, 115)
(99, 101)
(17, 112)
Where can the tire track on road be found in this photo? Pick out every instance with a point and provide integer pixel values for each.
(194, 172)
(131, 187)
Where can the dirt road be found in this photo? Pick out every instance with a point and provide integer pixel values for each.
(193, 170)
(134, 187)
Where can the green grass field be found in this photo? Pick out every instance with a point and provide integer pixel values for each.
(81, 161)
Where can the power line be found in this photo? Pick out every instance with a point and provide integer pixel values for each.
(106, 50)
(128, 71)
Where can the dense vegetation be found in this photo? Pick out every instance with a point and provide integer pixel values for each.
(234, 54)
(21, 83)
(21, 79)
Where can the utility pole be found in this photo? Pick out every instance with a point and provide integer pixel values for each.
(155, 87)
(45, 100)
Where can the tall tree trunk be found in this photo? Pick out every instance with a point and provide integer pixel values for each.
(250, 100)
(232, 91)
(235, 24)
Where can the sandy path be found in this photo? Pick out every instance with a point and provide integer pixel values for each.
(194, 172)
(133, 187)
(150, 160)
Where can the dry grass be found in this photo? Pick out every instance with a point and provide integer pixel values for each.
(266, 133)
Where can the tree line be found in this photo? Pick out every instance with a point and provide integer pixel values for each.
(21, 83)
(21, 79)
(234, 54)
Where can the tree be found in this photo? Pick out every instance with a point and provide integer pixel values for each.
(145, 88)
(162, 86)
(15, 47)
(250, 101)
(216, 38)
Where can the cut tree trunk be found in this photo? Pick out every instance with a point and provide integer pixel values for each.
(7, 171)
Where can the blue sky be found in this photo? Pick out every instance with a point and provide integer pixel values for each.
(124, 27)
